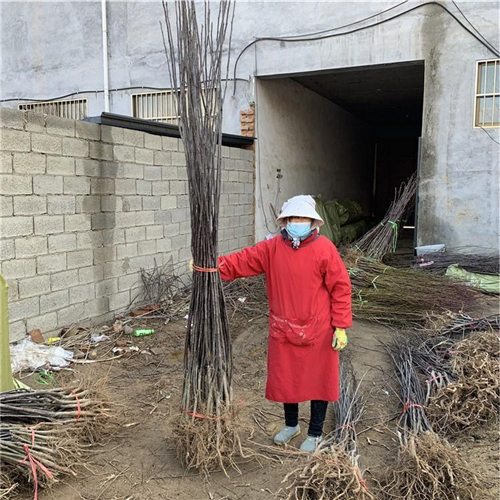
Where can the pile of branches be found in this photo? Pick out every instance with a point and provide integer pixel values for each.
(439, 262)
(333, 470)
(402, 296)
(427, 467)
(383, 238)
(463, 324)
(247, 296)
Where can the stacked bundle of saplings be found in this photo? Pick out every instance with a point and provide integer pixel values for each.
(333, 471)
(44, 434)
(427, 468)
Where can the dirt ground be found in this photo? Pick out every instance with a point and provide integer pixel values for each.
(139, 462)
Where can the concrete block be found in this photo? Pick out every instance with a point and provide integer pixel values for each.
(152, 173)
(14, 140)
(126, 251)
(88, 167)
(13, 292)
(152, 141)
(178, 187)
(182, 173)
(59, 243)
(6, 162)
(112, 203)
(249, 189)
(30, 205)
(132, 203)
(87, 130)
(60, 126)
(106, 288)
(125, 186)
(24, 309)
(233, 175)
(154, 232)
(111, 169)
(80, 258)
(179, 215)
(70, 315)
(60, 165)
(77, 222)
(91, 274)
(101, 151)
(162, 217)
(76, 185)
(64, 280)
(113, 236)
(6, 206)
(146, 247)
(145, 218)
(123, 153)
(96, 307)
(18, 268)
(185, 254)
(163, 158)
(178, 159)
(183, 201)
(103, 221)
(135, 234)
(104, 254)
(125, 219)
(112, 134)
(179, 241)
(54, 301)
(164, 245)
(161, 188)
(170, 143)
(7, 249)
(133, 171)
(81, 293)
(34, 122)
(31, 247)
(102, 186)
(115, 269)
(49, 224)
(46, 323)
(119, 301)
(88, 204)
(234, 199)
(15, 184)
(47, 184)
(133, 138)
(185, 227)
(61, 205)
(17, 331)
(144, 156)
(32, 287)
(169, 173)
(151, 203)
(143, 187)
(89, 239)
(49, 264)
(12, 118)
(29, 163)
(49, 144)
(129, 282)
(16, 226)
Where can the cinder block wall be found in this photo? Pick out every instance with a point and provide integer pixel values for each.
(84, 207)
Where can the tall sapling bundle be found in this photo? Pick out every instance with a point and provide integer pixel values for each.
(206, 436)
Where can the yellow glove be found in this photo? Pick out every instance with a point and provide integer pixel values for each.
(339, 340)
(191, 264)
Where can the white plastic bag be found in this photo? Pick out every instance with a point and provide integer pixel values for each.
(27, 355)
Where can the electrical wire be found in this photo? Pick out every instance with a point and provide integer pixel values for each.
(491, 137)
(361, 28)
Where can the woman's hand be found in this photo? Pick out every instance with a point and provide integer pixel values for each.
(339, 340)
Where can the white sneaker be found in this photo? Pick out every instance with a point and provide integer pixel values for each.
(310, 444)
(286, 434)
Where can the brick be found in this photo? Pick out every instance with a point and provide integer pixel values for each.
(179, 214)
(183, 201)
(90, 168)
(178, 242)
(170, 143)
(233, 175)
(133, 138)
(6, 206)
(179, 159)
(152, 141)
(162, 217)
(146, 247)
(163, 158)
(106, 288)
(101, 151)
(102, 186)
(119, 301)
(64, 280)
(133, 171)
(34, 122)
(129, 282)
(16, 226)
(13, 291)
(182, 173)
(18, 268)
(14, 140)
(29, 163)
(89, 239)
(113, 236)
(59, 205)
(90, 274)
(144, 156)
(88, 204)
(104, 254)
(164, 245)
(30, 205)
(126, 251)
(76, 185)
(15, 184)
(154, 232)
(103, 221)
(60, 165)
(75, 147)
(81, 293)
(143, 187)
(96, 307)
(86, 130)
(80, 258)
(145, 218)
(17, 331)
(62, 243)
(45, 323)
(111, 169)
(49, 264)
(123, 153)
(47, 184)
(168, 202)
(185, 227)
(132, 203)
(49, 144)
(23, 309)
(178, 187)
(49, 224)
(32, 287)
(77, 222)
(161, 188)
(11, 118)
(70, 315)
(125, 219)
(135, 234)
(54, 301)
(112, 134)
(152, 173)
(112, 203)
(30, 247)
(125, 186)
(6, 162)
(151, 203)
(60, 126)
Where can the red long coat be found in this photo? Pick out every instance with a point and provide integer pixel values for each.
(309, 295)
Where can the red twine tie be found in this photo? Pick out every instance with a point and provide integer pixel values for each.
(409, 405)
(34, 463)
(205, 269)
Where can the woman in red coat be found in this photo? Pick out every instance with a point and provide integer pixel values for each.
(309, 295)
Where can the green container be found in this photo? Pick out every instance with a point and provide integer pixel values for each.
(143, 333)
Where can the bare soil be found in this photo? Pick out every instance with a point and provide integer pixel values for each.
(139, 462)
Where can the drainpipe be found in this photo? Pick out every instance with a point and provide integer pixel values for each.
(105, 54)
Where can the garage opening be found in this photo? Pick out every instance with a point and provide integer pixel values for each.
(349, 134)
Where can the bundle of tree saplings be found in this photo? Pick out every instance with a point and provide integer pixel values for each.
(427, 467)
(333, 471)
(402, 296)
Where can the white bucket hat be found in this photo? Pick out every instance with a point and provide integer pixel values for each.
(299, 206)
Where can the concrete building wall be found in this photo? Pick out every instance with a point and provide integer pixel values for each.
(319, 148)
(84, 207)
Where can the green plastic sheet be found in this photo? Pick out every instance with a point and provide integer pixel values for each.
(488, 283)
(352, 232)
(349, 211)
(331, 227)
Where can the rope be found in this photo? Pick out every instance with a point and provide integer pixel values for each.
(34, 463)
(78, 406)
(395, 228)
(205, 269)
(409, 405)
(373, 282)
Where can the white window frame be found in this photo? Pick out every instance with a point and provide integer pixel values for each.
(74, 109)
(478, 95)
(171, 118)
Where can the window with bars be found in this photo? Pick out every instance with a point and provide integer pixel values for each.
(487, 105)
(75, 109)
(155, 106)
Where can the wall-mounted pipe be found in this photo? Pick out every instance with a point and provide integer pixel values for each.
(105, 54)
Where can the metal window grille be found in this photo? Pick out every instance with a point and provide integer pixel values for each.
(75, 109)
(155, 106)
(487, 105)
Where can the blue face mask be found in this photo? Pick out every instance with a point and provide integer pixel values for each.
(298, 229)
